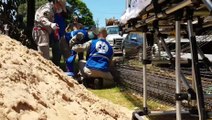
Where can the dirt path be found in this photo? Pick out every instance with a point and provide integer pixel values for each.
(32, 88)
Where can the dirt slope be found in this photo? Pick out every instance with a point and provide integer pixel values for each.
(32, 88)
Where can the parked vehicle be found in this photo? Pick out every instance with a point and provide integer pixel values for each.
(113, 36)
(132, 45)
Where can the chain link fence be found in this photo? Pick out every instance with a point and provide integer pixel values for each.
(160, 82)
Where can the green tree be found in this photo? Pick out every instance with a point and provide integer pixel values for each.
(15, 11)
(9, 15)
(79, 8)
(8, 9)
(22, 9)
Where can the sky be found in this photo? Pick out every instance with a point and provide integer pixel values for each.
(102, 9)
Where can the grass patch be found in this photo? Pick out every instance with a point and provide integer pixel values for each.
(127, 99)
(133, 63)
(115, 95)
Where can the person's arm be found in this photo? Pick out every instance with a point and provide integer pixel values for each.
(82, 47)
(111, 61)
(46, 17)
(45, 21)
(69, 28)
(76, 38)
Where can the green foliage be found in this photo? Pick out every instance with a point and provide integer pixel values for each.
(22, 9)
(78, 8)
(128, 99)
(38, 3)
(8, 9)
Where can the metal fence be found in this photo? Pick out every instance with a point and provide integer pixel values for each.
(160, 82)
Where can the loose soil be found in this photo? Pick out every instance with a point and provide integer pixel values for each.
(33, 88)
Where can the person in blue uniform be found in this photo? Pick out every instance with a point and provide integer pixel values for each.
(56, 36)
(77, 32)
(77, 36)
(100, 54)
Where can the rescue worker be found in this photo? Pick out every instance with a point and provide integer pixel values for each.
(77, 36)
(43, 25)
(100, 55)
(73, 38)
(59, 18)
(71, 30)
(74, 23)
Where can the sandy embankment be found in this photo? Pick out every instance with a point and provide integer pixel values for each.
(32, 88)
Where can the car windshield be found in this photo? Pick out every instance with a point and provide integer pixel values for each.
(113, 30)
(135, 36)
(139, 37)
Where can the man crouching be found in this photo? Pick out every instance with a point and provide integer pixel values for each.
(99, 57)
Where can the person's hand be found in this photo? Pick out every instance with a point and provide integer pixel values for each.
(54, 26)
(56, 34)
(76, 39)
(72, 41)
(68, 28)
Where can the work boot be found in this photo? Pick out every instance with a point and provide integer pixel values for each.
(98, 83)
(79, 79)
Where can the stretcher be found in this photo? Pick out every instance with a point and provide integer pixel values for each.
(159, 19)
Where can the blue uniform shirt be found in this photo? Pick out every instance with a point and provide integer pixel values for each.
(85, 33)
(71, 34)
(60, 20)
(100, 54)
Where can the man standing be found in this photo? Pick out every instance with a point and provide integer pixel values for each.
(43, 25)
(100, 54)
(59, 18)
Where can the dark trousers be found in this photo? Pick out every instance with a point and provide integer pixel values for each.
(56, 54)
